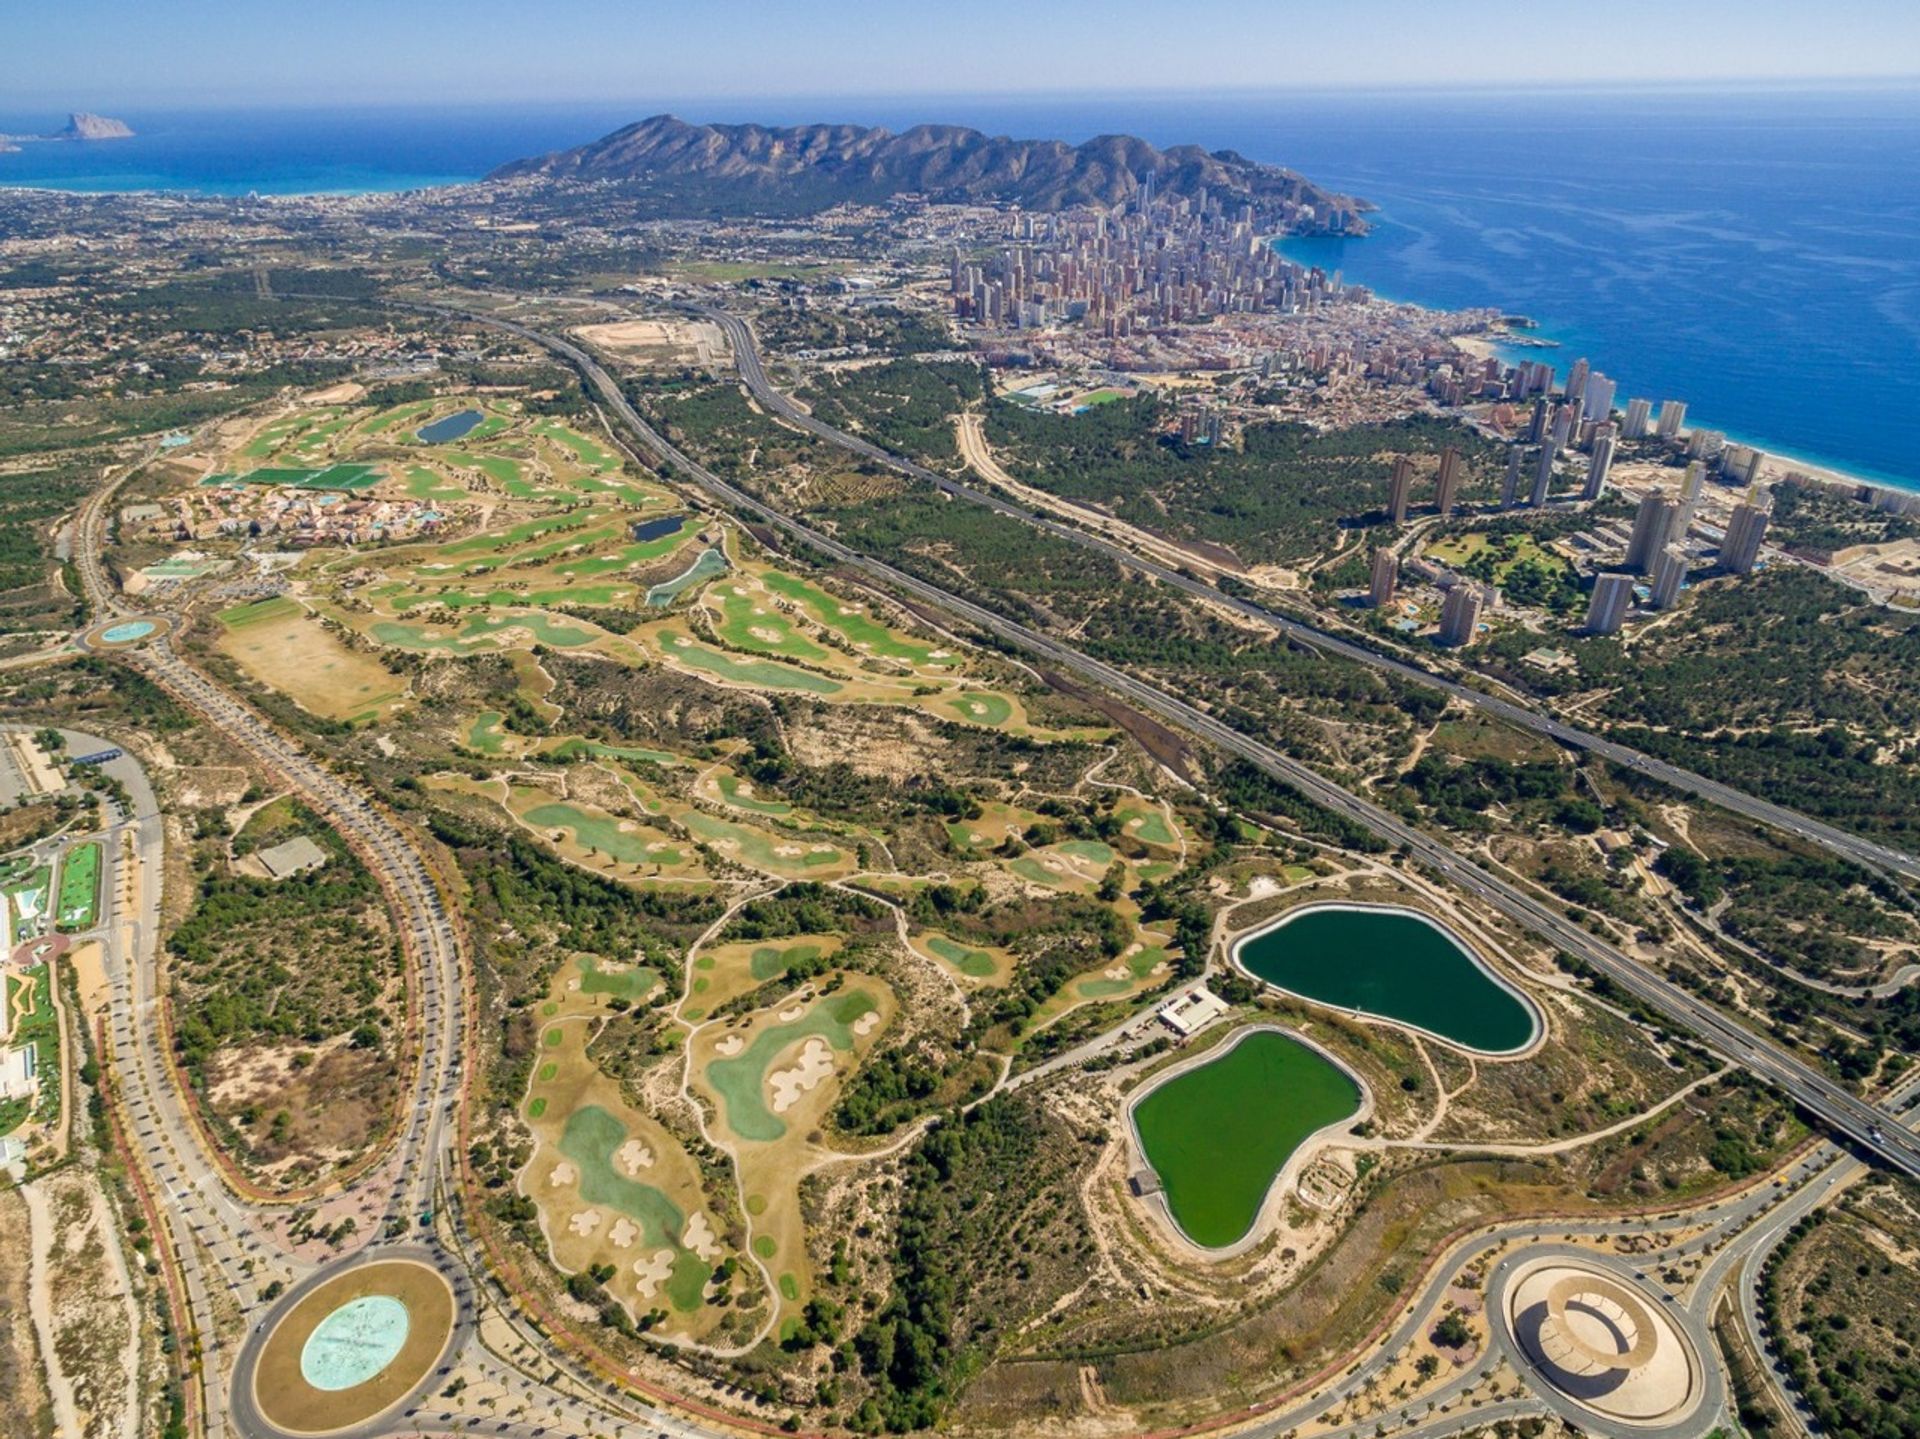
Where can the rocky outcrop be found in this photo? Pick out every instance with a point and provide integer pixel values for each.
(82, 126)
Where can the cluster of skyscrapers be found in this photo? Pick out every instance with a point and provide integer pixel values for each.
(1160, 262)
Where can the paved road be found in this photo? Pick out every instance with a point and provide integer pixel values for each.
(1852, 846)
(217, 1222)
(1862, 1122)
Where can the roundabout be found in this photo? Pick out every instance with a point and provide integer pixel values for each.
(345, 1347)
(125, 633)
(1600, 1347)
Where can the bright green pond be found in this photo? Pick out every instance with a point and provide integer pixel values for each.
(1218, 1135)
(1393, 964)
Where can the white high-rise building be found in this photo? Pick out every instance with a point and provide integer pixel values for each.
(1747, 527)
(1386, 577)
(1447, 488)
(1639, 420)
(1607, 610)
(1510, 490)
(1542, 478)
(1668, 576)
(1600, 464)
(1460, 615)
(1690, 487)
(1652, 526)
(1599, 396)
(1673, 415)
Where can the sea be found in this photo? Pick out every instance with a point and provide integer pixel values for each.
(1754, 251)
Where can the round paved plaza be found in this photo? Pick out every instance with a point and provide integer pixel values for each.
(1603, 1342)
(353, 1347)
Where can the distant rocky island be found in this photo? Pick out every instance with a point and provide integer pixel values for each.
(80, 126)
(815, 166)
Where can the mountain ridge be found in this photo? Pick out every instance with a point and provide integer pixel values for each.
(835, 162)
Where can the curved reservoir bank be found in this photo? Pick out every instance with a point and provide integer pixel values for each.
(456, 426)
(1392, 964)
(1220, 1134)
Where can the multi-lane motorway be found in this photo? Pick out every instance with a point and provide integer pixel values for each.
(1852, 846)
(1860, 1121)
(227, 1252)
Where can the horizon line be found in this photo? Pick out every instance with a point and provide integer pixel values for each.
(1709, 85)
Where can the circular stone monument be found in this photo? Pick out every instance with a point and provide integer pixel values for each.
(1602, 1342)
(354, 1346)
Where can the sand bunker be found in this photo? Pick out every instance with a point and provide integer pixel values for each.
(865, 1024)
(634, 1156)
(791, 1013)
(816, 1063)
(562, 1174)
(653, 1271)
(584, 1222)
(622, 1235)
(729, 1045)
(699, 1238)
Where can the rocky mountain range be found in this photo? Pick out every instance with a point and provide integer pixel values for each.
(829, 164)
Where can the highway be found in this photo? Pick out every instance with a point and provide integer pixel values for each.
(213, 1225)
(1839, 841)
(1864, 1124)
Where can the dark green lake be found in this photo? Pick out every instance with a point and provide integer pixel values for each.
(1395, 965)
(1219, 1134)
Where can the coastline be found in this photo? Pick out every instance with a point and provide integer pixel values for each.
(1782, 462)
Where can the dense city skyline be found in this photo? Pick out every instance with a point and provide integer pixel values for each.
(356, 52)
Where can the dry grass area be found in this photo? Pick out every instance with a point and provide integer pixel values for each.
(284, 648)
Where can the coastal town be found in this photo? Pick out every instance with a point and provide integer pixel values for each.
(802, 779)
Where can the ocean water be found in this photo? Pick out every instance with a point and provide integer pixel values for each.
(1753, 252)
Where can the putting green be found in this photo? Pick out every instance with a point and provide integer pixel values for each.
(740, 1082)
(1219, 1134)
(631, 984)
(982, 708)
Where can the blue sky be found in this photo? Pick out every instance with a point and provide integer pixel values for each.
(119, 53)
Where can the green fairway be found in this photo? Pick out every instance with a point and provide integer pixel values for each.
(862, 631)
(762, 632)
(1139, 965)
(771, 960)
(1218, 1135)
(487, 735)
(761, 850)
(731, 785)
(761, 674)
(568, 748)
(583, 449)
(603, 833)
(976, 963)
(591, 1139)
(741, 1081)
(79, 902)
(259, 612)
